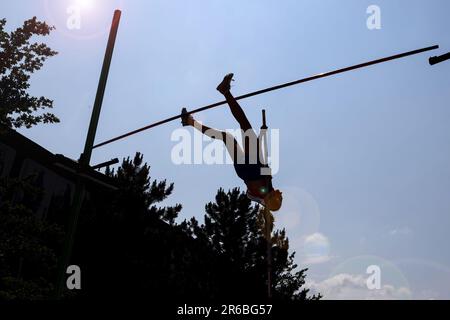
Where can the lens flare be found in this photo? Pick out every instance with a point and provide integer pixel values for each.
(86, 4)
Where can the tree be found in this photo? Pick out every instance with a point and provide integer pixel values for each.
(29, 246)
(19, 58)
(233, 230)
(138, 194)
(128, 248)
(127, 245)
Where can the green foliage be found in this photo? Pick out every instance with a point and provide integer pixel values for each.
(19, 58)
(138, 194)
(129, 248)
(235, 231)
(127, 244)
(223, 258)
(28, 245)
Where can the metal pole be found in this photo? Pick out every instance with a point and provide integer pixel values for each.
(105, 164)
(268, 236)
(315, 77)
(264, 125)
(263, 135)
(85, 158)
(267, 214)
(439, 59)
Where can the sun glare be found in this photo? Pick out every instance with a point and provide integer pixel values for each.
(86, 4)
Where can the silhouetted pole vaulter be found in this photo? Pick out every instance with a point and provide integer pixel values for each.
(439, 59)
(85, 157)
(315, 77)
(247, 157)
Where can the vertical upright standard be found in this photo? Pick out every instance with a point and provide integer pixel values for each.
(85, 158)
(268, 217)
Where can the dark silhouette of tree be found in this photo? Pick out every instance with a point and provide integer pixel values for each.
(233, 230)
(138, 194)
(125, 243)
(129, 248)
(19, 58)
(29, 246)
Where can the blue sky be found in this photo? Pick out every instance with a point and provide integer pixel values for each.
(363, 156)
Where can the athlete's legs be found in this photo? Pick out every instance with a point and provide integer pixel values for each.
(234, 149)
(249, 137)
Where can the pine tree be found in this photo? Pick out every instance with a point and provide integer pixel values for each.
(235, 231)
(138, 194)
(124, 243)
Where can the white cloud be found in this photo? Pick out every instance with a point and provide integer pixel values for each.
(345, 286)
(314, 249)
(300, 216)
(403, 231)
(317, 239)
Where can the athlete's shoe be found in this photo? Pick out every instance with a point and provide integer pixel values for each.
(225, 85)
